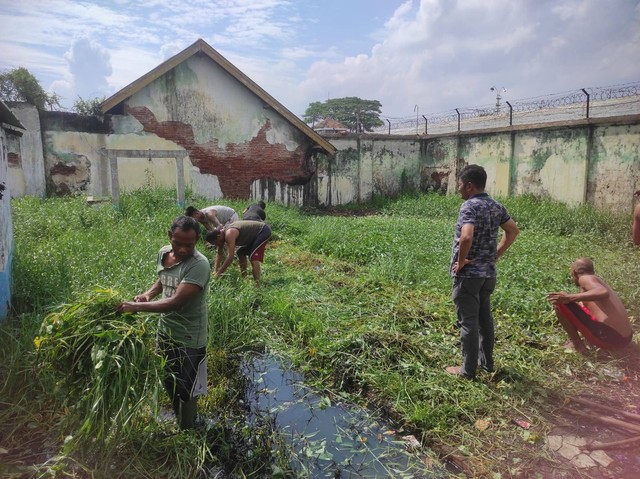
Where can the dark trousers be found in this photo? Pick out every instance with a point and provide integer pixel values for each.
(181, 372)
(472, 299)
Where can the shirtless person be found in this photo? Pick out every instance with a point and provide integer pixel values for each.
(596, 311)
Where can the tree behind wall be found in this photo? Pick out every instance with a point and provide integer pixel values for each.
(355, 113)
(19, 84)
(88, 107)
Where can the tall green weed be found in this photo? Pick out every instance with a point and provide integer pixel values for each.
(360, 303)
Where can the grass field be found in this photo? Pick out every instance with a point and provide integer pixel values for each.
(358, 302)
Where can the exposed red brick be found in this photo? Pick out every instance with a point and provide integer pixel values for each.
(13, 159)
(237, 165)
(438, 177)
(62, 169)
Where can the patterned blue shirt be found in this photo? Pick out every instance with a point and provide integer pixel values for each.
(486, 215)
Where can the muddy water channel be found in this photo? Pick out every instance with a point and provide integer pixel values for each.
(330, 440)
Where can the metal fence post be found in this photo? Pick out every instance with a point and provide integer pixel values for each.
(458, 119)
(510, 113)
(389, 125)
(425, 124)
(585, 92)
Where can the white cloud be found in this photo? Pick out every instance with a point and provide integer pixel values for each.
(89, 65)
(438, 54)
(443, 55)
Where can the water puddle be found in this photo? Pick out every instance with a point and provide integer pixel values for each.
(326, 439)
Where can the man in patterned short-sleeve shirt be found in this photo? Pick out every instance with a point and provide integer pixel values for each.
(473, 268)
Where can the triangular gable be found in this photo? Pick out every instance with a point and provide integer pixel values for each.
(9, 120)
(201, 46)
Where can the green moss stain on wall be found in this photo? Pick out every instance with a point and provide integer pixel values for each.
(539, 158)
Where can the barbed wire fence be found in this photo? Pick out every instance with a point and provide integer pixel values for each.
(596, 102)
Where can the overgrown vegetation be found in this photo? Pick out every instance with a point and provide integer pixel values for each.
(19, 84)
(88, 107)
(360, 304)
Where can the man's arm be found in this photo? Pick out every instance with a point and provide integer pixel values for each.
(213, 216)
(592, 290)
(464, 246)
(151, 293)
(510, 232)
(184, 293)
(636, 225)
(230, 240)
(218, 259)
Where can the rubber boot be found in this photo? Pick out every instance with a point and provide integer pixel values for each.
(187, 412)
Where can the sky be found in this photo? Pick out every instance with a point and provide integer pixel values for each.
(414, 56)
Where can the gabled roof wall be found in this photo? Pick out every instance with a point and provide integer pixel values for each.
(202, 46)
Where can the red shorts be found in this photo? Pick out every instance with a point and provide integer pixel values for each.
(594, 331)
(258, 253)
(255, 250)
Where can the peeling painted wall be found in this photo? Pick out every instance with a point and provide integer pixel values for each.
(6, 227)
(552, 163)
(367, 166)
(595, 161)
(614, 170)
(263, 157)
(26, 169)
(492, 152)
(238, 146)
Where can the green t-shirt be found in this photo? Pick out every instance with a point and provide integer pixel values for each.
(188, 325)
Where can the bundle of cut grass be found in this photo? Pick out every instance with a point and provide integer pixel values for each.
(102, 363)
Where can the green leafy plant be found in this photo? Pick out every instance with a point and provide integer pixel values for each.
(103, 364)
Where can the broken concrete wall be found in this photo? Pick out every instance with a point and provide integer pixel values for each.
(238, 146)
(26, 171)
(72, 154)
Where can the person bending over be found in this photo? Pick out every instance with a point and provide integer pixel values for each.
(596, 312)
(212, 216)
(255, 212)
(250, 237)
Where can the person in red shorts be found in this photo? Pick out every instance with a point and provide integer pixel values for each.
(249, 237)
(596, 312)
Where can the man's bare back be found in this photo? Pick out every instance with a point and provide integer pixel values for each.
(609, 310)
(604, 322)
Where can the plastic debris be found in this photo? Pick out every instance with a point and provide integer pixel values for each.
(523, 424)
(412, 441)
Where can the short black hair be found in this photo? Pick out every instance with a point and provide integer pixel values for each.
(262, 204)
(186, 223)
(474, 174)
(190, 211)
(212, 236)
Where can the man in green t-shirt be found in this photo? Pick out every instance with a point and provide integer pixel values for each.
(183, 276)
